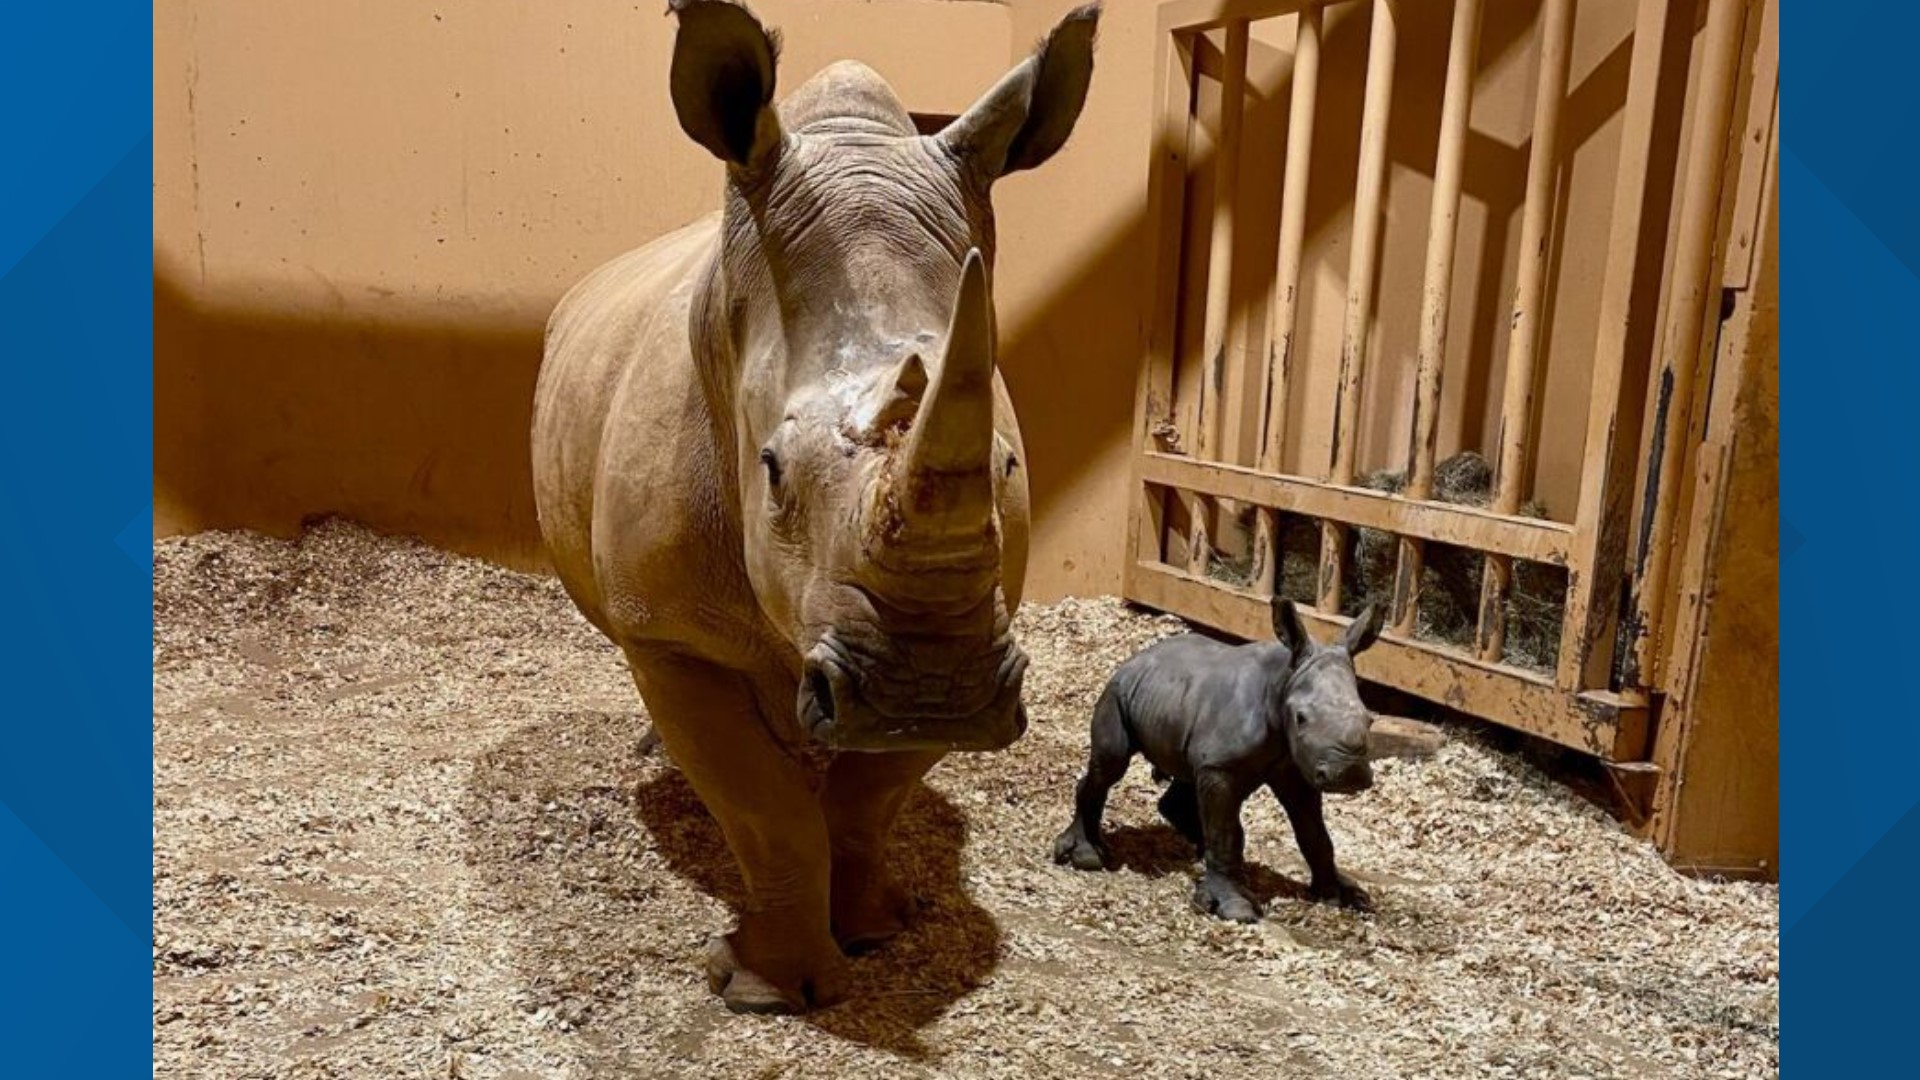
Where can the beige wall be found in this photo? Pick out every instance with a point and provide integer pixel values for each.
(363, 212)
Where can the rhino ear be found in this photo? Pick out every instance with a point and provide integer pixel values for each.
(1289, 630)
(1363, 631)
(1028, 115)
(722, 79)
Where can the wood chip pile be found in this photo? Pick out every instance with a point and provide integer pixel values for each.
(405, 827)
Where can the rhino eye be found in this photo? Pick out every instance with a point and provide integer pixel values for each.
(772, 462)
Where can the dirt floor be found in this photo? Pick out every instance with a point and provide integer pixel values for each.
(404, 827)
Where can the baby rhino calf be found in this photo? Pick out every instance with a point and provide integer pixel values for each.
(1218, 721)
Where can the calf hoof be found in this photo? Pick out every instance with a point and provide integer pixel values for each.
(1223, 901)
(746, 990)
(1345, 892)
(1072, 848)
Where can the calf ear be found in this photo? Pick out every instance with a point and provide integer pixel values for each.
(722, 79)
(1289, 630)
(1028, 115)
(1363, 631)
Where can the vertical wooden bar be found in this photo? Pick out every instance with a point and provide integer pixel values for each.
(1596, 566)
(1523, 342)
(1695, 280)
(1226, 177)
(1436, 295)
(1283, 307)
(1166, 199)
(1715, 806)
(1364, 261)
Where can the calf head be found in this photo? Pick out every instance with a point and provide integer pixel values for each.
(1326, 722)
(847, 337)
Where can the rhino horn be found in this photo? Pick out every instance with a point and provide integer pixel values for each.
(946, 469)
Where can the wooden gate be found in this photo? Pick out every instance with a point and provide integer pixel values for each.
(1199, 492)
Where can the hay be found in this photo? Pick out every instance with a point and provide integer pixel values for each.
(1450, 576)
(404, 826)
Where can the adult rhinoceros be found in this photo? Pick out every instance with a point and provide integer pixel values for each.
(775, 464)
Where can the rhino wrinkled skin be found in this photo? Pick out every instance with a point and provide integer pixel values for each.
(775, 464)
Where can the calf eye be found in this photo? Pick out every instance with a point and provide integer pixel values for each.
(772, 462)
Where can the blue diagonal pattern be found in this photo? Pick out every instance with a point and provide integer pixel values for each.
(1850, 441)
(72, 774)
(58, 940)
(1856, 349)
(135, 540)
(1862, 1029)
(75, 466)
(1853, 132)
(76, 83)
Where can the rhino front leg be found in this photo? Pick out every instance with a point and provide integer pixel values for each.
(781, 957)
(1304, 806)
(1218, 891)
(864, 796)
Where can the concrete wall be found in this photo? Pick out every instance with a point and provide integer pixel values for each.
(363, 212)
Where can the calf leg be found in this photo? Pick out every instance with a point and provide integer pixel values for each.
(1107, 761)
(864, 795)
(781, 957)
(1180, 807)
(1303, 805)
(1218, 891)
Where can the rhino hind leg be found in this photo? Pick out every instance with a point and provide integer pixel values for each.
(864, 796)
(1218, 892)
(1079, 845)
(781, 956)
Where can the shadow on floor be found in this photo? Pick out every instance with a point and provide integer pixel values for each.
(574, 827)
(1157, 850)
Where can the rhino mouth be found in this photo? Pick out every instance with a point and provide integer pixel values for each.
(850, 703)
(1337, 773)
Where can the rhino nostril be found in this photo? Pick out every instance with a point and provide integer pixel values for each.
(822, 692)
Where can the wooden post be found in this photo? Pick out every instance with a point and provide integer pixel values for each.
(1694, 286)
(1716, 806)
(1436, 296)
(1226, 182)
(1167, 186)
(1283, 306)
(1364, 261)
(1596, 565)
(1523, 342)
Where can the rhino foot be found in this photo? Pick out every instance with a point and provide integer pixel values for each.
(1215, 895)
(1343, 891)
(1073, 848)
(746, 990)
